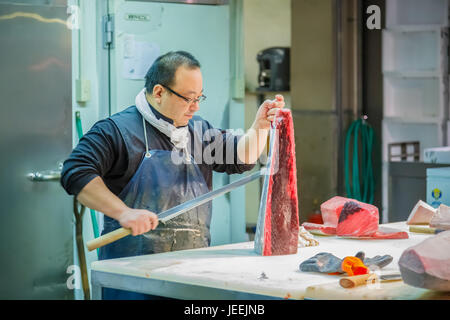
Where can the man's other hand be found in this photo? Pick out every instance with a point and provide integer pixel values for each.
(139, 221)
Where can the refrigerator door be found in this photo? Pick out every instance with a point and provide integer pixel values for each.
(36, 247)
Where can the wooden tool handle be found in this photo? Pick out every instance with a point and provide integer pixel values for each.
(108, 238)
(354, 281)
(422, 229)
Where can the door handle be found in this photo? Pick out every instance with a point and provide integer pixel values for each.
(46, 175)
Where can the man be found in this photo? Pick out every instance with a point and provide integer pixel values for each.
(127, 166)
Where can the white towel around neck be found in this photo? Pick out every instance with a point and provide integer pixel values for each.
(178, 136)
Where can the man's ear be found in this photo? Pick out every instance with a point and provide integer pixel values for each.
(157, 92)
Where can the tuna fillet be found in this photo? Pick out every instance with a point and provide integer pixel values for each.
(427, 264)
(441, 219)
(388, 233)
(331, 209)
(331, 212)
(278, 224)
(347, 217)
(421, 213)
(357, 219)
(320, 229)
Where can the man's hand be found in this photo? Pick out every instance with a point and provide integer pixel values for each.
(266, 112)
(252, 144)
(97, 196)
(139, 221)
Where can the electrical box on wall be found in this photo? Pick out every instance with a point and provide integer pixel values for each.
(83, 90)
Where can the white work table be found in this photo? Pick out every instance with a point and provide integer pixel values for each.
(235, 271)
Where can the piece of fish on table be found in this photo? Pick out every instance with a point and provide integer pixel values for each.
(427, 264)
(350, 218)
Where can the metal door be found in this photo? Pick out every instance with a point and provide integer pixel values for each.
(36, 246)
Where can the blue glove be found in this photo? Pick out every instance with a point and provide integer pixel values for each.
(322, 262)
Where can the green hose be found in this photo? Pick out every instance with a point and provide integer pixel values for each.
(354, 190)
(80, 134)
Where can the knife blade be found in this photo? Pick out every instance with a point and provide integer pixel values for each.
(391, 277)
(191, 204)
(364, 279)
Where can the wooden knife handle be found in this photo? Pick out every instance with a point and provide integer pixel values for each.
(107, 238)
(354, 281)
(422, 229)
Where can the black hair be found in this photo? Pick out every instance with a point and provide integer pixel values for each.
(163, 69)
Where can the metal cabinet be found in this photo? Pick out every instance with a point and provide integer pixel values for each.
(407, 185)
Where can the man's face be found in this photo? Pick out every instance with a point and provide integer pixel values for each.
(189, 84)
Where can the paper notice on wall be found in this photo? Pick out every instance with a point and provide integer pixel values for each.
(138, 56)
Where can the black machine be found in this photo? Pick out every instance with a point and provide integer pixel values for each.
(274, 69)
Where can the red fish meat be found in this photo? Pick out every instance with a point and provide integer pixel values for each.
(321, 229)
(441, 219)
(347, 217)
(331, 209)
(427, 264)
(278, 223)
(357, 219)
(422, 213)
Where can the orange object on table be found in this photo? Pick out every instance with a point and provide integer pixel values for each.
(354, 266)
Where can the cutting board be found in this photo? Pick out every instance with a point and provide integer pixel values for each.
(377, 291)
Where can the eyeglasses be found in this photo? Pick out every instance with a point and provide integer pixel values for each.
(188, 100)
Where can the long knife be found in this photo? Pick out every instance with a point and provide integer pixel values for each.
(259, 233)
(175, 211)
(417, 229)
(354, 281)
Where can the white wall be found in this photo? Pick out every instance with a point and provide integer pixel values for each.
(267, 23)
